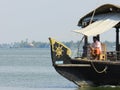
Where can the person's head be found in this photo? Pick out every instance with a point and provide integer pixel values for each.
(95, 39)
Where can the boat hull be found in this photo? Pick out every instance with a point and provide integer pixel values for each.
(91, 73)
(84, 71)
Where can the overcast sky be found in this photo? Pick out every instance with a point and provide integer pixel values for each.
(39, 19)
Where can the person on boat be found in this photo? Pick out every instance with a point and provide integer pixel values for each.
(95, 48)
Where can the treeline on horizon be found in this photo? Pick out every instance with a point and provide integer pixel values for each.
(34, 44)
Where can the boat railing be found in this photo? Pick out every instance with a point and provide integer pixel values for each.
(113, 55)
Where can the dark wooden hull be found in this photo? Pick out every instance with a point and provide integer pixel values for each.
(98, 73)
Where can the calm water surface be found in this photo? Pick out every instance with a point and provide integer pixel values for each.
(31, 69)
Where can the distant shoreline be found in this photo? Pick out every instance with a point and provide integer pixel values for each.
(26, 44)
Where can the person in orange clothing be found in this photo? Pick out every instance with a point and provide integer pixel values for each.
(95, 48)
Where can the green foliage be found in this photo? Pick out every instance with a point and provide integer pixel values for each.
(34, 44)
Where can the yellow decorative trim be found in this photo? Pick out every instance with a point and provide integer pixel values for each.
(59, 49)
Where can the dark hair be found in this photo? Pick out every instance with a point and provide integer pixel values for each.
(95, 38)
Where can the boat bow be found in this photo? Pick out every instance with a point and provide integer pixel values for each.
(60, 53)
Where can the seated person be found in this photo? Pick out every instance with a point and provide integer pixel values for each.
(95, 49)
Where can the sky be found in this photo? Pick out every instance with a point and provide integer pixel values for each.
(37, 20)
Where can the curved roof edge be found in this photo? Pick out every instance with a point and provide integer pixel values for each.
(106, 8)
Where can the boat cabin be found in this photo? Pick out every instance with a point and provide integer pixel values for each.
(99, 21)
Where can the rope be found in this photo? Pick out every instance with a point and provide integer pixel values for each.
(104, 70)
(92, 17)
(93, 12)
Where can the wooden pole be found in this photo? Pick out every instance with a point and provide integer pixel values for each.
(117, 41)
(98, 37)
(85, 47)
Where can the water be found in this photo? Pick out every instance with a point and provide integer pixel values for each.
(31, 69)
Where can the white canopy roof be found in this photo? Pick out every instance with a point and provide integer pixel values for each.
(105, 22)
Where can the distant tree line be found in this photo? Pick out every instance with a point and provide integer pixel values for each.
(34, 44)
